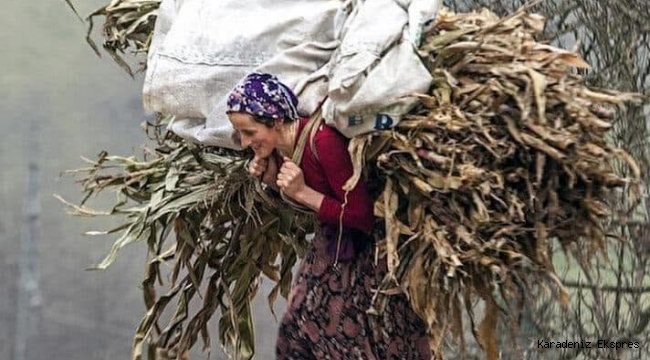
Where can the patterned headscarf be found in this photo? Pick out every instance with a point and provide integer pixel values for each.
(263, 95)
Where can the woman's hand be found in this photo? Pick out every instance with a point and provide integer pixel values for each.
(265, 169)
(291, 179)
(257, 166)
(271, 174)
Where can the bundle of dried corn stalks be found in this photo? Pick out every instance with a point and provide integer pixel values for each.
(226, 235)
(506, 155)
(127, 24)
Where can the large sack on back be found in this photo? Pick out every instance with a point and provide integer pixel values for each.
(359, 54)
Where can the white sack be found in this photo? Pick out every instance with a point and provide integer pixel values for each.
(366, 49)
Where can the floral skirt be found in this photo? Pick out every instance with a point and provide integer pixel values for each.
(326, 317)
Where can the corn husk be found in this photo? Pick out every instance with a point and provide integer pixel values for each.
(506, 156)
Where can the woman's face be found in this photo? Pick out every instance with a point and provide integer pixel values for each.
(259, 137)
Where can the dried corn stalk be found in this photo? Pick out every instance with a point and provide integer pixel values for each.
(505, 155)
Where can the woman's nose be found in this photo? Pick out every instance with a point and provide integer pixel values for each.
(245, 141)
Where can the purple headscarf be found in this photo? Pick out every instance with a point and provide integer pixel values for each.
(263, 95)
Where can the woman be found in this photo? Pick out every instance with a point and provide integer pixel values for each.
(326, 316)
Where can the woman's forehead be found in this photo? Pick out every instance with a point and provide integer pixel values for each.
(241, 120)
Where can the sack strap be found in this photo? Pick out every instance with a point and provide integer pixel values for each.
(298, 152)
(308, 133)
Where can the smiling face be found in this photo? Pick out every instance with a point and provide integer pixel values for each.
(262, 139)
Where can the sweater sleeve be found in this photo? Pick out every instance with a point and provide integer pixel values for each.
(332, 152)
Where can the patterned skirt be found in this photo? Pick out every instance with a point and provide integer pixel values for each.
(326, 317)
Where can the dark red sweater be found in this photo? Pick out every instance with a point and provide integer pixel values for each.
(327, 173)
